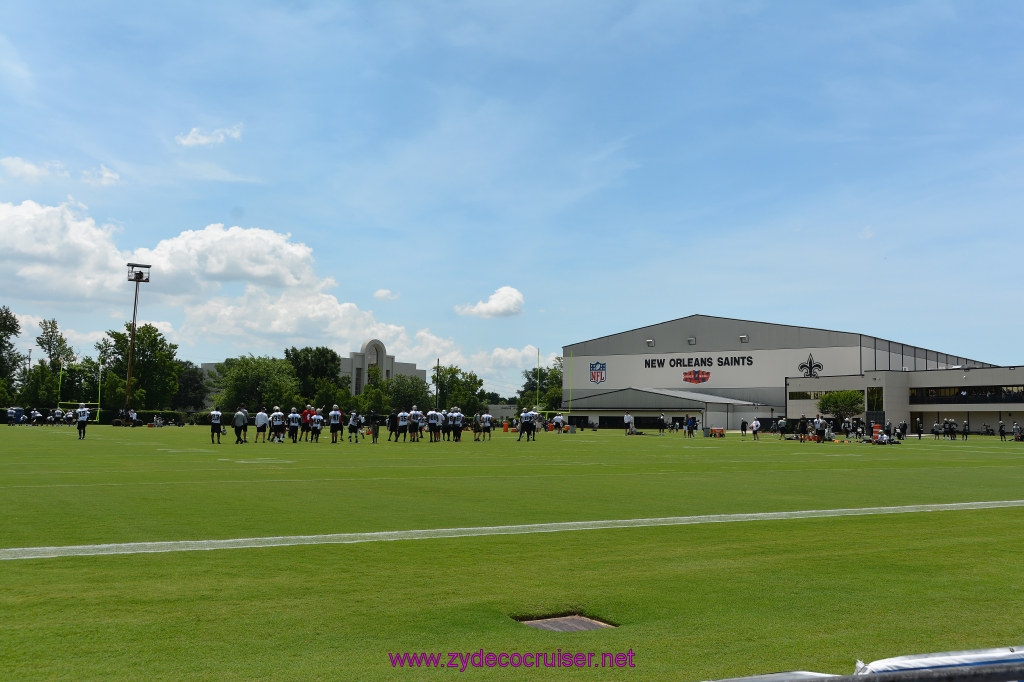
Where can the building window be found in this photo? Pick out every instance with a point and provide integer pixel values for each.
(875, 401)
(808, 395)
(947, 395)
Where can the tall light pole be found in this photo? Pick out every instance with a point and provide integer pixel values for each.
(138, 273)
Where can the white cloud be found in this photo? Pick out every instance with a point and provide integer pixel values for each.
(200, 261)
(385, 295)
(504, 302)
(17, 167)
(430, 348)
(866, 233)
(101, 176)
(81, 342)
(197, 137)
(50, 253)
(236, 290)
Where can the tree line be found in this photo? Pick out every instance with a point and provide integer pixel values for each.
(162, 381)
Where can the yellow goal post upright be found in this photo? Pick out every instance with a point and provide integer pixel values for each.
(550, 413)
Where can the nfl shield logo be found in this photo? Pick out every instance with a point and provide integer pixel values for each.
(597, 372)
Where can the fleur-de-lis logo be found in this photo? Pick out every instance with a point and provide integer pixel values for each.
(810, 368)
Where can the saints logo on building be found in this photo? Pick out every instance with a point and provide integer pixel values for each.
(597, 372)
(696, 376)
(810, 368)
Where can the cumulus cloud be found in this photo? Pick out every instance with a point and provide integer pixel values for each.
(199, 261)
(101, 176)
(17, 167)
(250, 290)
(504, 302)
(81, 342)
(505, 358)
(52, 251)
(430, 348)
(198, 138)
(385, 295)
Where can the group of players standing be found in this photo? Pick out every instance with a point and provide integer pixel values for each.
(308, 424)
(299, 426)
(439, 425)
(78, 416)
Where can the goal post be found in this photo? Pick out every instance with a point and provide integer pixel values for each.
(94, 409)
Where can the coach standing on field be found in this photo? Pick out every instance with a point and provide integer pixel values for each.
(239, 421)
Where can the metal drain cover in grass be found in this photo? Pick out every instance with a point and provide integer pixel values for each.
(566, 624)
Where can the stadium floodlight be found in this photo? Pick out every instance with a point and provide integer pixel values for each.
(138, 273)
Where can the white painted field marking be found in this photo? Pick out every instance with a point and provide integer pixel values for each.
(262, 461)
(391, 535)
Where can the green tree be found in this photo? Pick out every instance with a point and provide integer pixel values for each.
(455, 386)
(54, 345)
(192, 387)
(374, 397)
(257, 382)
(490, 397)
(550, 387)
(312, 364)
(113, 392)
(841, 404)
(10, 359)
(80, 382)
(153, 369)
(39, 388)
(404, 391)
(329, 393)
(7, 394)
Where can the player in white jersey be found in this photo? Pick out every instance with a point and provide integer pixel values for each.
(316, 424)
(415, 420)
(456, 416)
(403, 425)
(82, 414)
(558, 422)
(434, 425)
(11, 415)
(262, 419)
(215, 425)
(525, 424)
(58, 416)
(354, 421)
(294, 422)
(485, 425)
(334, 419)
(277, 425)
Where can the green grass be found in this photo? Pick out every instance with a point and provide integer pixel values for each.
(693, 602)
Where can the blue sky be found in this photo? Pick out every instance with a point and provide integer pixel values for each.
(479, 180)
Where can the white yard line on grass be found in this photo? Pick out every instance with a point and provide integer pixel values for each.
(384, 536)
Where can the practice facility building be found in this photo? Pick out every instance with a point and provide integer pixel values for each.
(724, 371)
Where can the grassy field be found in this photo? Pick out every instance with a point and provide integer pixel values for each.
(692, 602)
